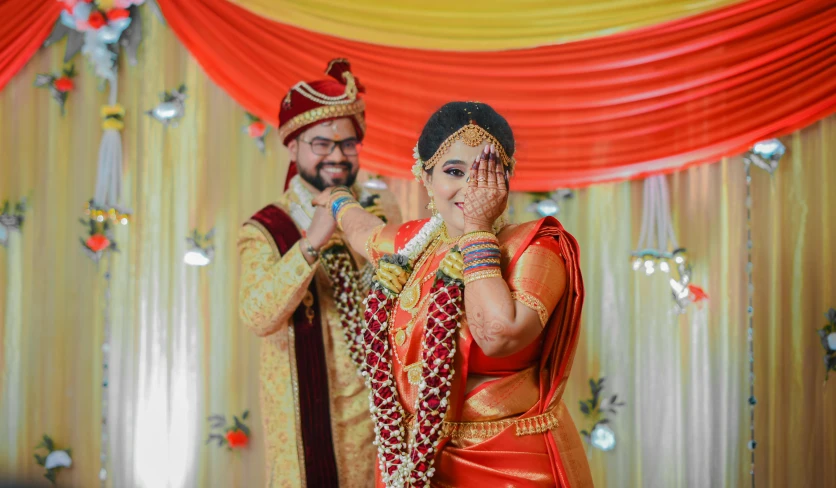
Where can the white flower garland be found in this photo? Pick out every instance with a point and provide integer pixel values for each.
(422, 239)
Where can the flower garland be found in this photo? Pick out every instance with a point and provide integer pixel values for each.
(348, 284)
(348, 295)
(404, 463)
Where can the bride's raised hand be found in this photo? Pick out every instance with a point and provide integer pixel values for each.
(487, 192)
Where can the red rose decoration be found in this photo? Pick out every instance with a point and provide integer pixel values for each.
(96, 20)
(116, 14)
(64, 84)
(98, 242)
(237, 439)
(257, 129)
(699, 294)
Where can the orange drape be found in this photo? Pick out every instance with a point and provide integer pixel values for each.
(621, 106)
(26, 24)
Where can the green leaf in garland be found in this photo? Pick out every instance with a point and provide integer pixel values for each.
(245, 415)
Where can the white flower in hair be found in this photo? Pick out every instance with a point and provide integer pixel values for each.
(418, 167)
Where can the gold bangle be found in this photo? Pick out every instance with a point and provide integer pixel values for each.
(478, 236)
(346, 208)
(495, 261)
(481, 275)
(480, 233)
(339, 192)
(481, 247)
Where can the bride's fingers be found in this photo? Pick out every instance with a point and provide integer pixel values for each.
(501, 174)
(474, 171)
(492, 180)
(482, 174)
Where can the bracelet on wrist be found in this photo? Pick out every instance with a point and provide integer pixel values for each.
(308, 247)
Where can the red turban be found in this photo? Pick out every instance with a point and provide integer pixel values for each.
(307, 104)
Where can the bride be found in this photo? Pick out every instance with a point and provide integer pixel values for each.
(471, 324)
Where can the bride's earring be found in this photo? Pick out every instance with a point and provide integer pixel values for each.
(431, 205)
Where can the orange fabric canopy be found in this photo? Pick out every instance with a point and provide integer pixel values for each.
(26, 25)
(621, 106)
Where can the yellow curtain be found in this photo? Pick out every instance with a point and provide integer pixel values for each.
(179, 354)
(685, 378)
(472, 25)
(177, 351)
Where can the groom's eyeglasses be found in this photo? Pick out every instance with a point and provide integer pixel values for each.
(324, 147)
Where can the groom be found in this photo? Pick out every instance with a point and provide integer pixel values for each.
(317, 428)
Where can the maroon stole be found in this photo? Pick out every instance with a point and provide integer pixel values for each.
(313, 400)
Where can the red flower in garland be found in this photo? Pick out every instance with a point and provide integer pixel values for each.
(117, 13)
(98, 242)
(64, 84)
(96, 20)
(237, 439)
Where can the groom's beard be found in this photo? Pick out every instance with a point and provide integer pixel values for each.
(327, 174)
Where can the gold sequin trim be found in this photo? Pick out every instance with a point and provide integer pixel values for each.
(538, 424)
(354, 109)
(481, 275)
(533, 303)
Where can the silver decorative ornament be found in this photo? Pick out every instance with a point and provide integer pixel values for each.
(766, 155)
(58, 459)
(602, 437)
(200, 249)
(171, 108)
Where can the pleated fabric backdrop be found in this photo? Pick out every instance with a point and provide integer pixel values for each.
(180, 354)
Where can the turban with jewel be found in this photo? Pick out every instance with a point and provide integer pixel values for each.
(308, 104)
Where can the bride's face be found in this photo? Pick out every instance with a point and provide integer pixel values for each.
(448, 183)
